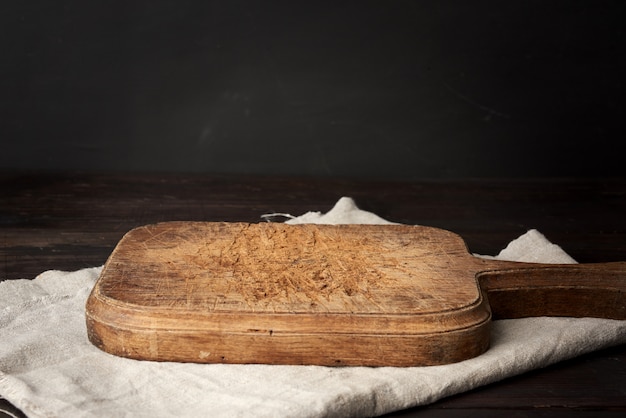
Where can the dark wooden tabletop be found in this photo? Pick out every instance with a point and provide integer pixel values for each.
(69, 221)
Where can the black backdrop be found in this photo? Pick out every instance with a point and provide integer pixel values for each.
(395, 89)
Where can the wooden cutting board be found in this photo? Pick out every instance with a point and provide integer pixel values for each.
(366, 295)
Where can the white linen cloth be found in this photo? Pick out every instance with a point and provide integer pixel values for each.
(48, 368)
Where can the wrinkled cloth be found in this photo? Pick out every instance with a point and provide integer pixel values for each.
(48, 368)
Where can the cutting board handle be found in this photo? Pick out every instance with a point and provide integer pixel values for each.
(517, 290)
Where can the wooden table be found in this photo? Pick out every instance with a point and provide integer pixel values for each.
(70, 221)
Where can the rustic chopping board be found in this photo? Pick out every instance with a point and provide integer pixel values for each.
(368, 295)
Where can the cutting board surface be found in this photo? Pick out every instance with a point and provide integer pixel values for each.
(306, 294)
(268, 267)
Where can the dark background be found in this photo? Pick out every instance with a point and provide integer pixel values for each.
(390, 89)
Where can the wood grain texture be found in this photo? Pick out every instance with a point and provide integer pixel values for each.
(371, 295)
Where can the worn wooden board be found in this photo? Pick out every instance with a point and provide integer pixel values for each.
(371, 295)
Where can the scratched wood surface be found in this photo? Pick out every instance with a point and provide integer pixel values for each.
(361, 295)
(279, 268)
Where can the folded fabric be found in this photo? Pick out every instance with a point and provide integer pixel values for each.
(48, 368)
